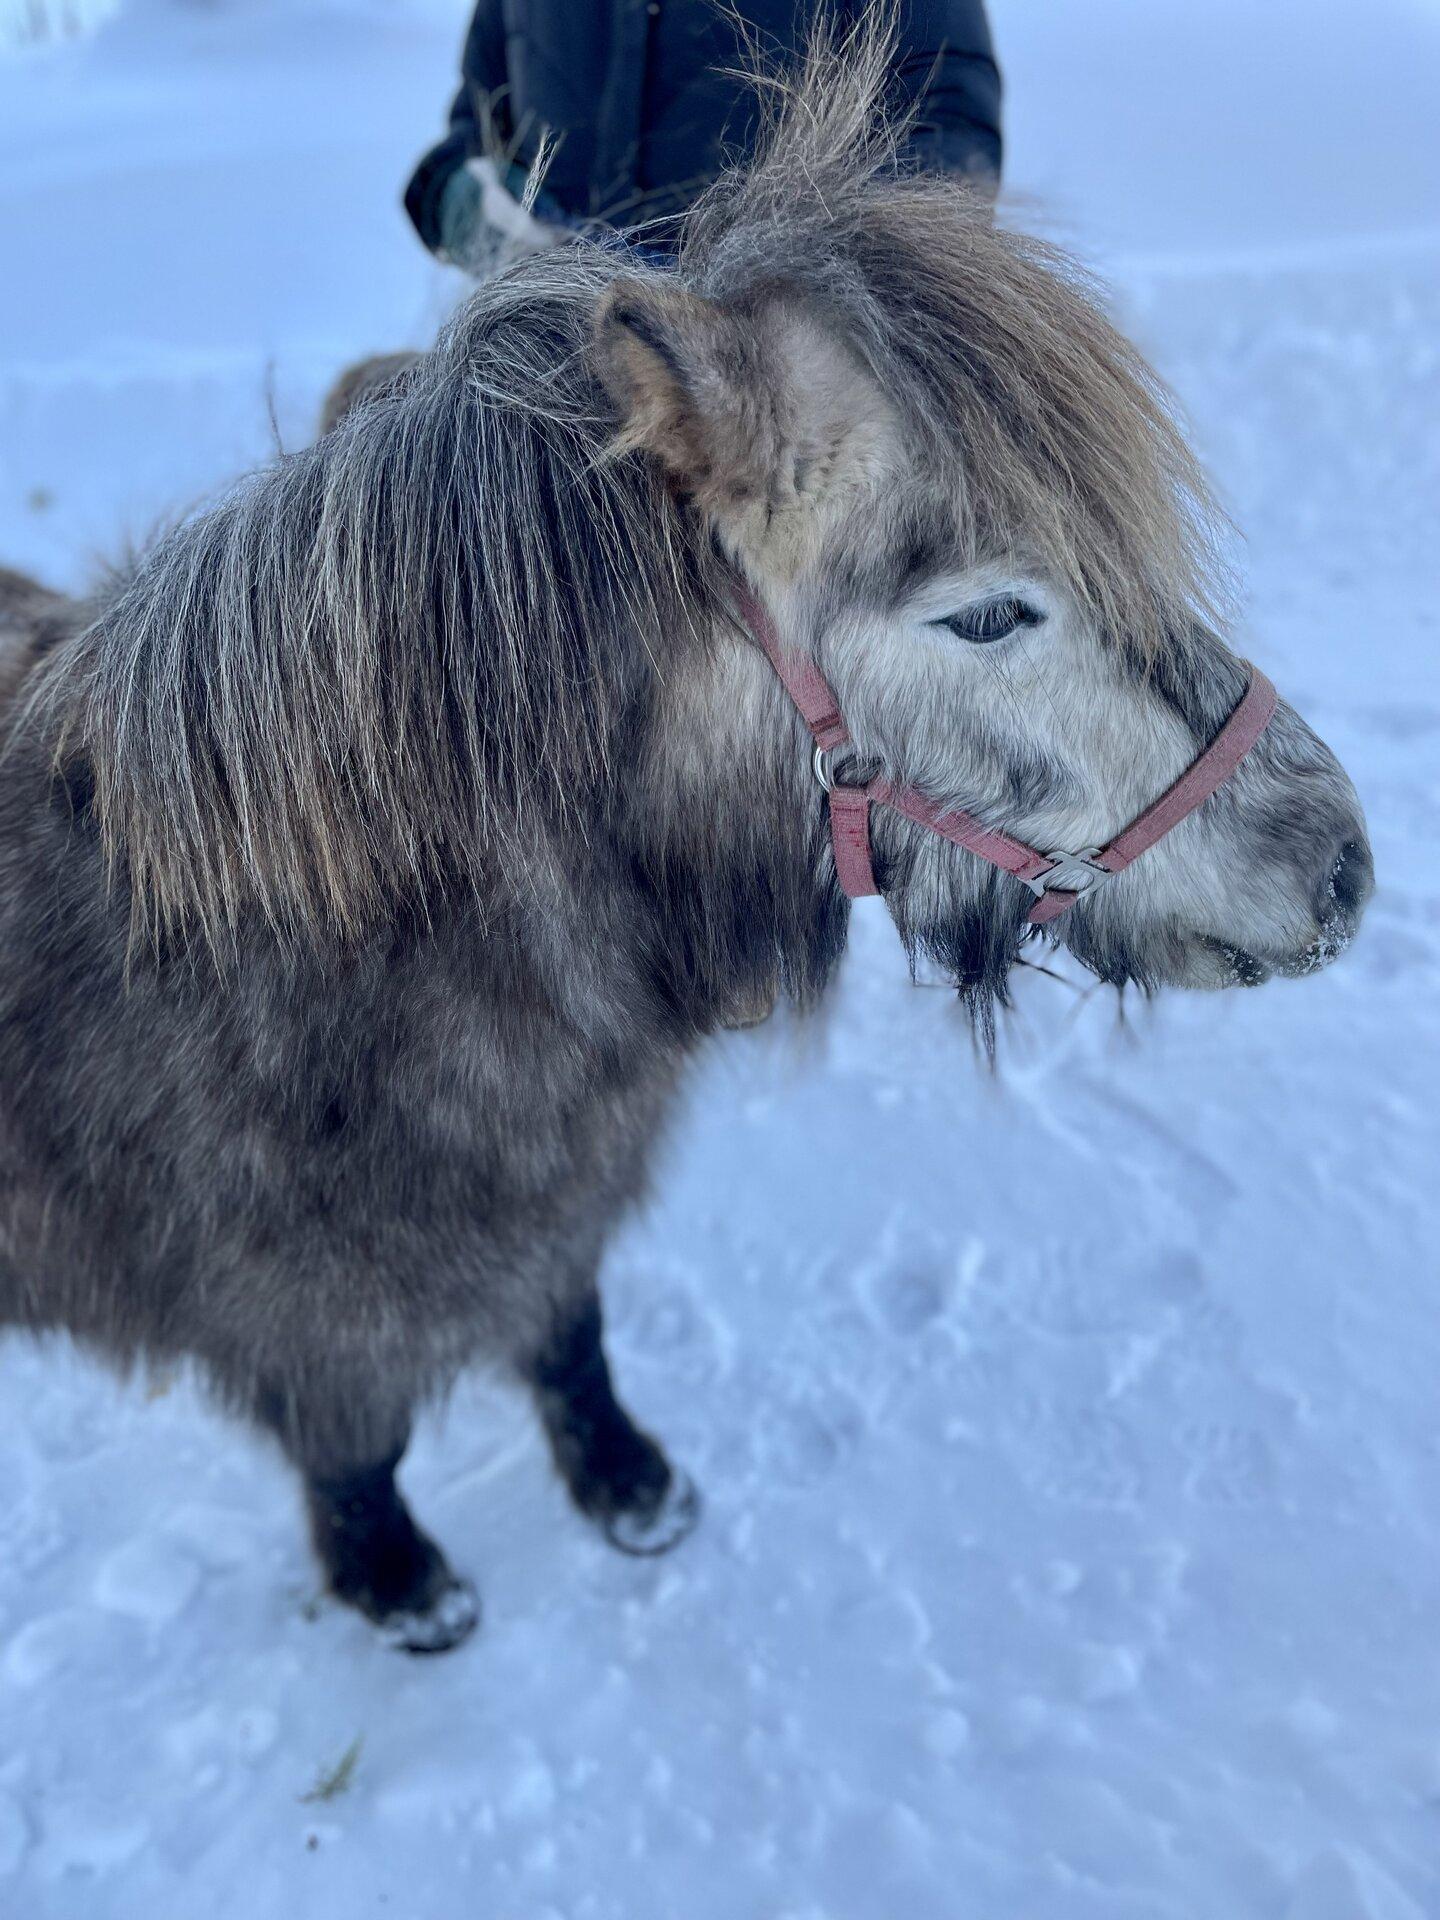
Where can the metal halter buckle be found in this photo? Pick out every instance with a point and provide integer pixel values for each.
(1070, 873)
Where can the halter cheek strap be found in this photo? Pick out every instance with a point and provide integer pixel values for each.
(1056, 879)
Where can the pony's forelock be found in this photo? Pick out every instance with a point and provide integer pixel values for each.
(1027, 404)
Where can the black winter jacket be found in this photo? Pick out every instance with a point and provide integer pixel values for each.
(638, 93)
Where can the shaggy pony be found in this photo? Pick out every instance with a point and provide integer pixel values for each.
(376, 849)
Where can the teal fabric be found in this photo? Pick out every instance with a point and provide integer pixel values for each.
(460, 216)
(466, 236)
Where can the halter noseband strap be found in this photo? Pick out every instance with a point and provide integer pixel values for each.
(1056, 879)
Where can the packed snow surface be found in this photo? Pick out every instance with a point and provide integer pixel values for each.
(1069, 1436)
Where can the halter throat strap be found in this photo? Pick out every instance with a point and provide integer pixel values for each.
(1056, 879)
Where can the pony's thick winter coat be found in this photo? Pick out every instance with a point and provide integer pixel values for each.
(374, 852)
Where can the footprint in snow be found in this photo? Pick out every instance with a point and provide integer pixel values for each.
(150, 1579)
(1213, 1334)
(664, 1322)
(906, 1296)
(68, 1640)
(30, 1539)
(800, 1444)
(1080, 1458)
(86, 1840)
(1078, 1287)
(1228, 1466)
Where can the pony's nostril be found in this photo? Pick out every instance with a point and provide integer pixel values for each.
(1351, 880)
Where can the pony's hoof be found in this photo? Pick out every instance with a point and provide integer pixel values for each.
(451, 1618)
(656, 1529)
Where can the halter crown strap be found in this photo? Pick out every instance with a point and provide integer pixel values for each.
(1057, 879)
(799, 675)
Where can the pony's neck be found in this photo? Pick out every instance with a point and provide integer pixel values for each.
(726, 835)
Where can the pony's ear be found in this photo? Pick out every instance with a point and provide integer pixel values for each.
(761, 416)
(688, 378)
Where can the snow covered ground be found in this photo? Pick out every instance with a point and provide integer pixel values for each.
(1073, 1476)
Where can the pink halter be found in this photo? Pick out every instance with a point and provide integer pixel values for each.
(1056, 879)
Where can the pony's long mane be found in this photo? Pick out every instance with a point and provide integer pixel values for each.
(356, 672)
(367, 666)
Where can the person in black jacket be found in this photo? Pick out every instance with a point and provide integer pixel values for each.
(640, 101)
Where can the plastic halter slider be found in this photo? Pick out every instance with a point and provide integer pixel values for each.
(1070, 873)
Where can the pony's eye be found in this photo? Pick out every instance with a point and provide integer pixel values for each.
(991, 620)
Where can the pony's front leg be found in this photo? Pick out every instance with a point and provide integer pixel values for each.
(377, 1559)
(374, 1556)
(617, 1475)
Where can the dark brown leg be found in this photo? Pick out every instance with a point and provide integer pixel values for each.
(377, 1559)
(617, 1475)
(347, 1445)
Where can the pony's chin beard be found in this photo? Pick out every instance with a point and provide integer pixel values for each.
(979, 946)
(1115, 955)
(976, 953)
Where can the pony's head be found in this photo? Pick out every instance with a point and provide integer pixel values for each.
(961, 493)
